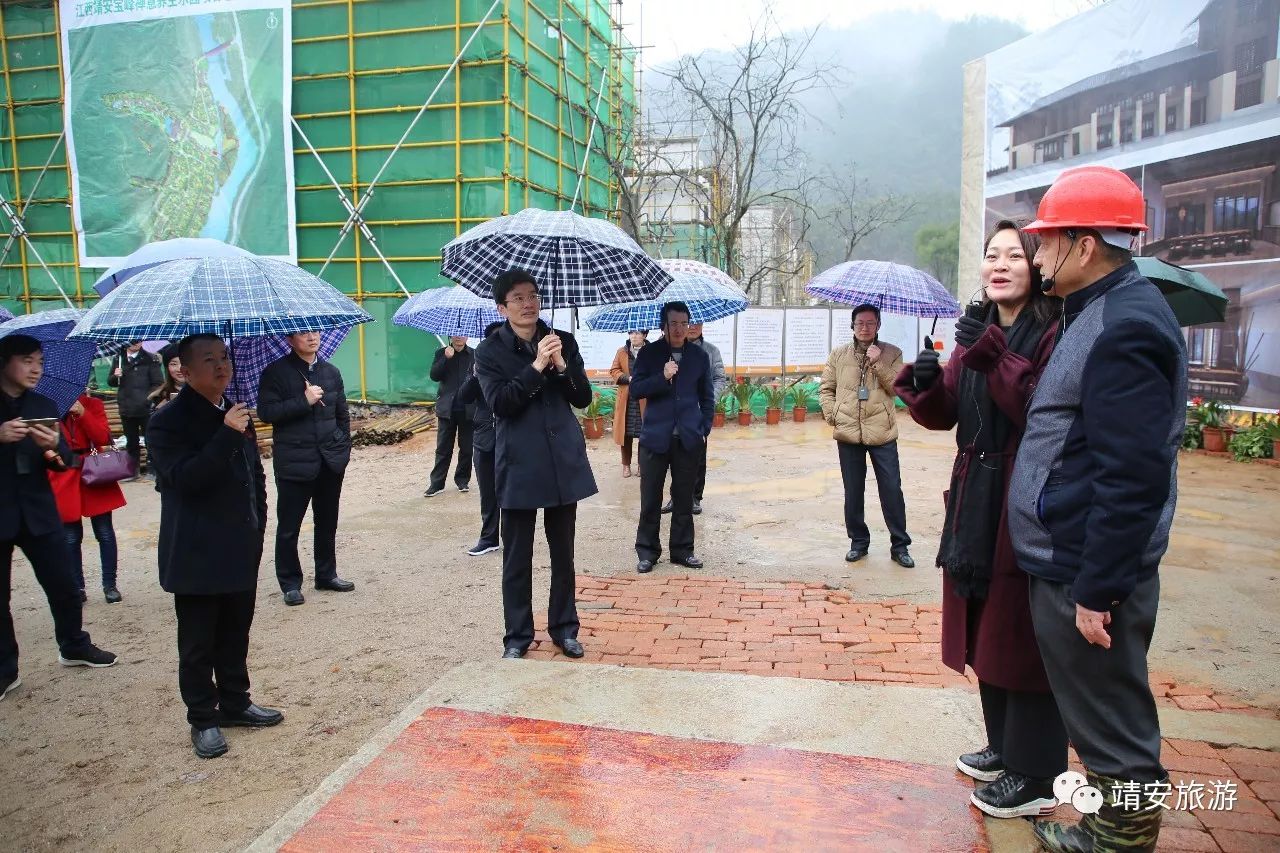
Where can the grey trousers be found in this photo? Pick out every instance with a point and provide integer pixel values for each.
(1103, 694)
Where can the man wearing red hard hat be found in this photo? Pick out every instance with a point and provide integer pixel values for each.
(1092, 496)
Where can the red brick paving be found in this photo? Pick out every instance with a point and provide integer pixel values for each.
(788, 628)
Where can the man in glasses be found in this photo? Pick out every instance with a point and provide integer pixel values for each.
(857, 399)
(532, 376)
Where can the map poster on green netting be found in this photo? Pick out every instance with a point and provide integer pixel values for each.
(177, 117)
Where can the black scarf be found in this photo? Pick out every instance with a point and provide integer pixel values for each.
(976, 502)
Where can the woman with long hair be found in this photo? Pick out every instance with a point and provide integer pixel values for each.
(86, 429)
(1002, 345)
(628, 414)
(174, 378)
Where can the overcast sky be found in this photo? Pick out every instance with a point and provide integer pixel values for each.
(670, 28)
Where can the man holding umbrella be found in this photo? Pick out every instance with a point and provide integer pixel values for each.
(213, 516)
(303, 398)
(452, 367)
(531, 377)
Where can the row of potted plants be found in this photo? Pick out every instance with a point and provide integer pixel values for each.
(735, 401)
(1209, 427)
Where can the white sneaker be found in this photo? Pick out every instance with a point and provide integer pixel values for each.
(13, 685)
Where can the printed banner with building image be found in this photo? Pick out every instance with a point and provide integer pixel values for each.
(177, 117)
(1184, 96)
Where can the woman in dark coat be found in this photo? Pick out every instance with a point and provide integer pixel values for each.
(1002, 345)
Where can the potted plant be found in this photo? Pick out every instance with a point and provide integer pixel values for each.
(1215, 429)
(723, 405)
(800, 397)
(774, 396)
(592, 419)
(1256, 442)
(742, 393)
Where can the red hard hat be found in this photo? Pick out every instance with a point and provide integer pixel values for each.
(1091, 197)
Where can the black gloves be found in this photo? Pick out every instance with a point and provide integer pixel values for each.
(926, 369)
(624, 379)
(968, 330)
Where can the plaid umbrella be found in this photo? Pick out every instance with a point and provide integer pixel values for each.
(893, 288)
(67, 362)
(5, 316)
(448, 311)
(251, 302)
(709, 293)
(577, 261)
(159, 252)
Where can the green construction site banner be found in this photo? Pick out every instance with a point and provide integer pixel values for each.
(177, 118)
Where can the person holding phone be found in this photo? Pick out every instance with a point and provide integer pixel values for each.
(856, 393)
(213, 516)
(30, 446)
(1003, 344)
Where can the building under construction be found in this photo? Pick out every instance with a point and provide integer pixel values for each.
(508, 129)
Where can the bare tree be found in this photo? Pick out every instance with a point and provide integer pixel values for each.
(749, 108)
(856, 212)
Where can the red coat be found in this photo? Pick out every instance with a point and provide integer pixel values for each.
(76, 500)
(993, 635)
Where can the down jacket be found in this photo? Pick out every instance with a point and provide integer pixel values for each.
(871, 421)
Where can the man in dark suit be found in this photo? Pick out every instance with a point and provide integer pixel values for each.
(213, 515)
(674, 376)
(452, 367)
(137, 373)
(482, 441)
(531, 377)
(303, 399)
(30, 445)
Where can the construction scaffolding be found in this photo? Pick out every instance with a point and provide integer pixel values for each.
(385, 175)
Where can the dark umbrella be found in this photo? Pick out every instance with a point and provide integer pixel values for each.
(1194, 299)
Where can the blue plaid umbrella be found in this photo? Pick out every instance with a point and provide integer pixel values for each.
(154, 254)
(893, 288)
(709, 293)
(577, 261)
(251, 302)
(448, 311)
(67, 362)
(5, 316)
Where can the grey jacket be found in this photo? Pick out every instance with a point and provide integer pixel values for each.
(1093, 490)
(719, 380)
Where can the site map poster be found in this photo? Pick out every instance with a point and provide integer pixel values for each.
(177, 118)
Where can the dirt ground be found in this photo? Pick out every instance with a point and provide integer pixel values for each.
(100, 759)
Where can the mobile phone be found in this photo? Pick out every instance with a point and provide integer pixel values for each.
(40, 421)
(975, 311)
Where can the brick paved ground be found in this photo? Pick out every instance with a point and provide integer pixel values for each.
(808, 630)
(788, 628)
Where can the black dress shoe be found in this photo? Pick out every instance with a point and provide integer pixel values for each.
(855, 554)
(571, 647)
(689, 562)
(666, 507)
(253, 717)
(336, 584)
(697, 507)
(293, 597)
(902, 558)
(112, 595)
(513, 653)
(644, 566)
(208, 743)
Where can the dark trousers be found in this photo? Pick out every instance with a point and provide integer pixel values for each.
(560, 523)
(683, 463)
(292, 498)
(853, 468)
(133, 429)
(701, 482)
(486, 474)
(105, 533)
(1103, 694)
(446, 430)
(47, 554)
(1025, 728)
(213, 643)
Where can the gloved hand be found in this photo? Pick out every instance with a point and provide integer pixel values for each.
(968, 330)
(926, 369)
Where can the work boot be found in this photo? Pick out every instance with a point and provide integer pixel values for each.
(1111, 829)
